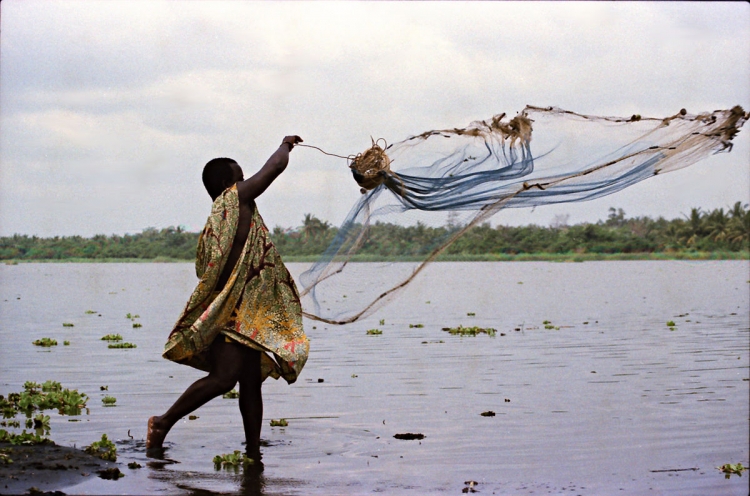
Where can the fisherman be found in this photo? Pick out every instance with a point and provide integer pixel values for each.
(243, 321)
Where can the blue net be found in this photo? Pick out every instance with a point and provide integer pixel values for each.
(461, 177)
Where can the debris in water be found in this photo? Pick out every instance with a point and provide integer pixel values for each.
(374, 332)
(488, 413)
(110, 473)
(45, 342)
(134, 465)
(122, 345)
(279, 423)
(112, 337)
(68, 324)
(408, 436)
(233, 394)
(109, 400)
(470, 331)
(104, 449)
(729, 469)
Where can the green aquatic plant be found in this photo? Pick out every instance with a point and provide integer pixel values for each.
(134, 465)
(418, 326)
(122, 345)
(104, 449)
(89, 312)
(279, 423)
(5, 458)
(730, 469)
(48, 386)
(45, 342)
(471, 314)
(68, 324)
(233, 394)
(41, 421)
(232, 461)
(66, 343)
(470, 331)
(374, 332)
(670, 323)
(31, 386)
(24, 438)
(109, 400)
(382, 321)
(112, 337)
(137, 325)
(10, 423)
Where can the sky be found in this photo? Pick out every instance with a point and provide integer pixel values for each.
(109, 110)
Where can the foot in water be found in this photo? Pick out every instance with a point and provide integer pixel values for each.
(155, 434)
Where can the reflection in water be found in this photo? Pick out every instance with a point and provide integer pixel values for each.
(604, 397)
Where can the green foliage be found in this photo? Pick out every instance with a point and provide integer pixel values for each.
(233, 394)
(89, 311)
(232, 461)
(112, 337)
(137, 324)
(109, 400)
(122, 345)
(67, 324)
(418, 326)
(470, 331)
(374, 332)
(25, 438)
(45, 342)
(718, 230)
(104, 449)
(279, 423)
(670, 323)
(729, 469)
(66, 343)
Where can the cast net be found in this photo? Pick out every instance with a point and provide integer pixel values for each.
(441, 183)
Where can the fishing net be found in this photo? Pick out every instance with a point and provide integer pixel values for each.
(442, 183)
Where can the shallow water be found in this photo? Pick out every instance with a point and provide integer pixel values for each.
(587, 409)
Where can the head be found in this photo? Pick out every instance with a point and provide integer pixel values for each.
(220, 174)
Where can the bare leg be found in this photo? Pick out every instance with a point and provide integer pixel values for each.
(251, 401)
(226, 367)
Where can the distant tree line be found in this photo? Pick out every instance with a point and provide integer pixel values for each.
(711, 231)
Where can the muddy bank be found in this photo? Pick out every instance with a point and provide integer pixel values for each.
(46, 467)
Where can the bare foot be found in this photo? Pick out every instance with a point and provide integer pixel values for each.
(155, 434)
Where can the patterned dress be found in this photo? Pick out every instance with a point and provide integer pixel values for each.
(259, 306)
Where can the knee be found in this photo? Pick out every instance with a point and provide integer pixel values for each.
(224, 384)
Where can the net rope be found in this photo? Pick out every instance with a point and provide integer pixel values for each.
(472, 173)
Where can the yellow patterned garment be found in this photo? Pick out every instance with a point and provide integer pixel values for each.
(259, 306)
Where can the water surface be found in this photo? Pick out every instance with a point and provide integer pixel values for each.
(611, 400)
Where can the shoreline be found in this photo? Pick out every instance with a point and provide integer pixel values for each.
(488, 257)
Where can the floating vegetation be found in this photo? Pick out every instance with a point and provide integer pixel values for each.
(5, 457)
(428, 342)
(418, 326)
(354, 376)
(232, 461)
(471, 314)
(729, 469)
(122, 345)
(47, 396)
(374, 332)
(68, 324)
(137, 325)
(45, 342)
(670, 323)
(409, 436)
(488, 413)
(104, 449)
(40, 422)
(66, 343)
(132, 317)
(103, 388)
(279, 423)
(112, 337)
(382, 321)
(470, 331)
(134, 465)
(109, 400)
(193, 417)
(89, 312)
(24, 438)
(233, 394)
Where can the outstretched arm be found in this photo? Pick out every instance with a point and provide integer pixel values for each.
(251, 188)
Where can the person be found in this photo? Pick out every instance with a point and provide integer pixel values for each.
(245, 309)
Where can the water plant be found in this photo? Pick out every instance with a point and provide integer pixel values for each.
(231, 394)
(471, 314)
(122, 345)
(48, 386)
(409, 436)
(137, 325)
(24, 438)
(134, 465)
(45, 342)
(670, 323)
(730, 468)
(232, 460)
(112, 473)
(374, 332)
(382, 321)
(279, 423)
(418, 326)
(109, 400)
(470, 331)
(112, 337)
(90, 311)
(66, 343)
(68, 324)
(104, 449)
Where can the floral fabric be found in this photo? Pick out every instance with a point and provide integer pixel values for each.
(258, 307)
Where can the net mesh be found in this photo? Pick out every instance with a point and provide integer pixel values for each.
(461, 177)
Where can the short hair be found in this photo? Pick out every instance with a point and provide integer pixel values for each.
(216, 173)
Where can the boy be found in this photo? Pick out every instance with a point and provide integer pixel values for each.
(245, 305)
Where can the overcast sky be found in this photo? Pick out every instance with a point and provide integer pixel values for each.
(109, 110)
